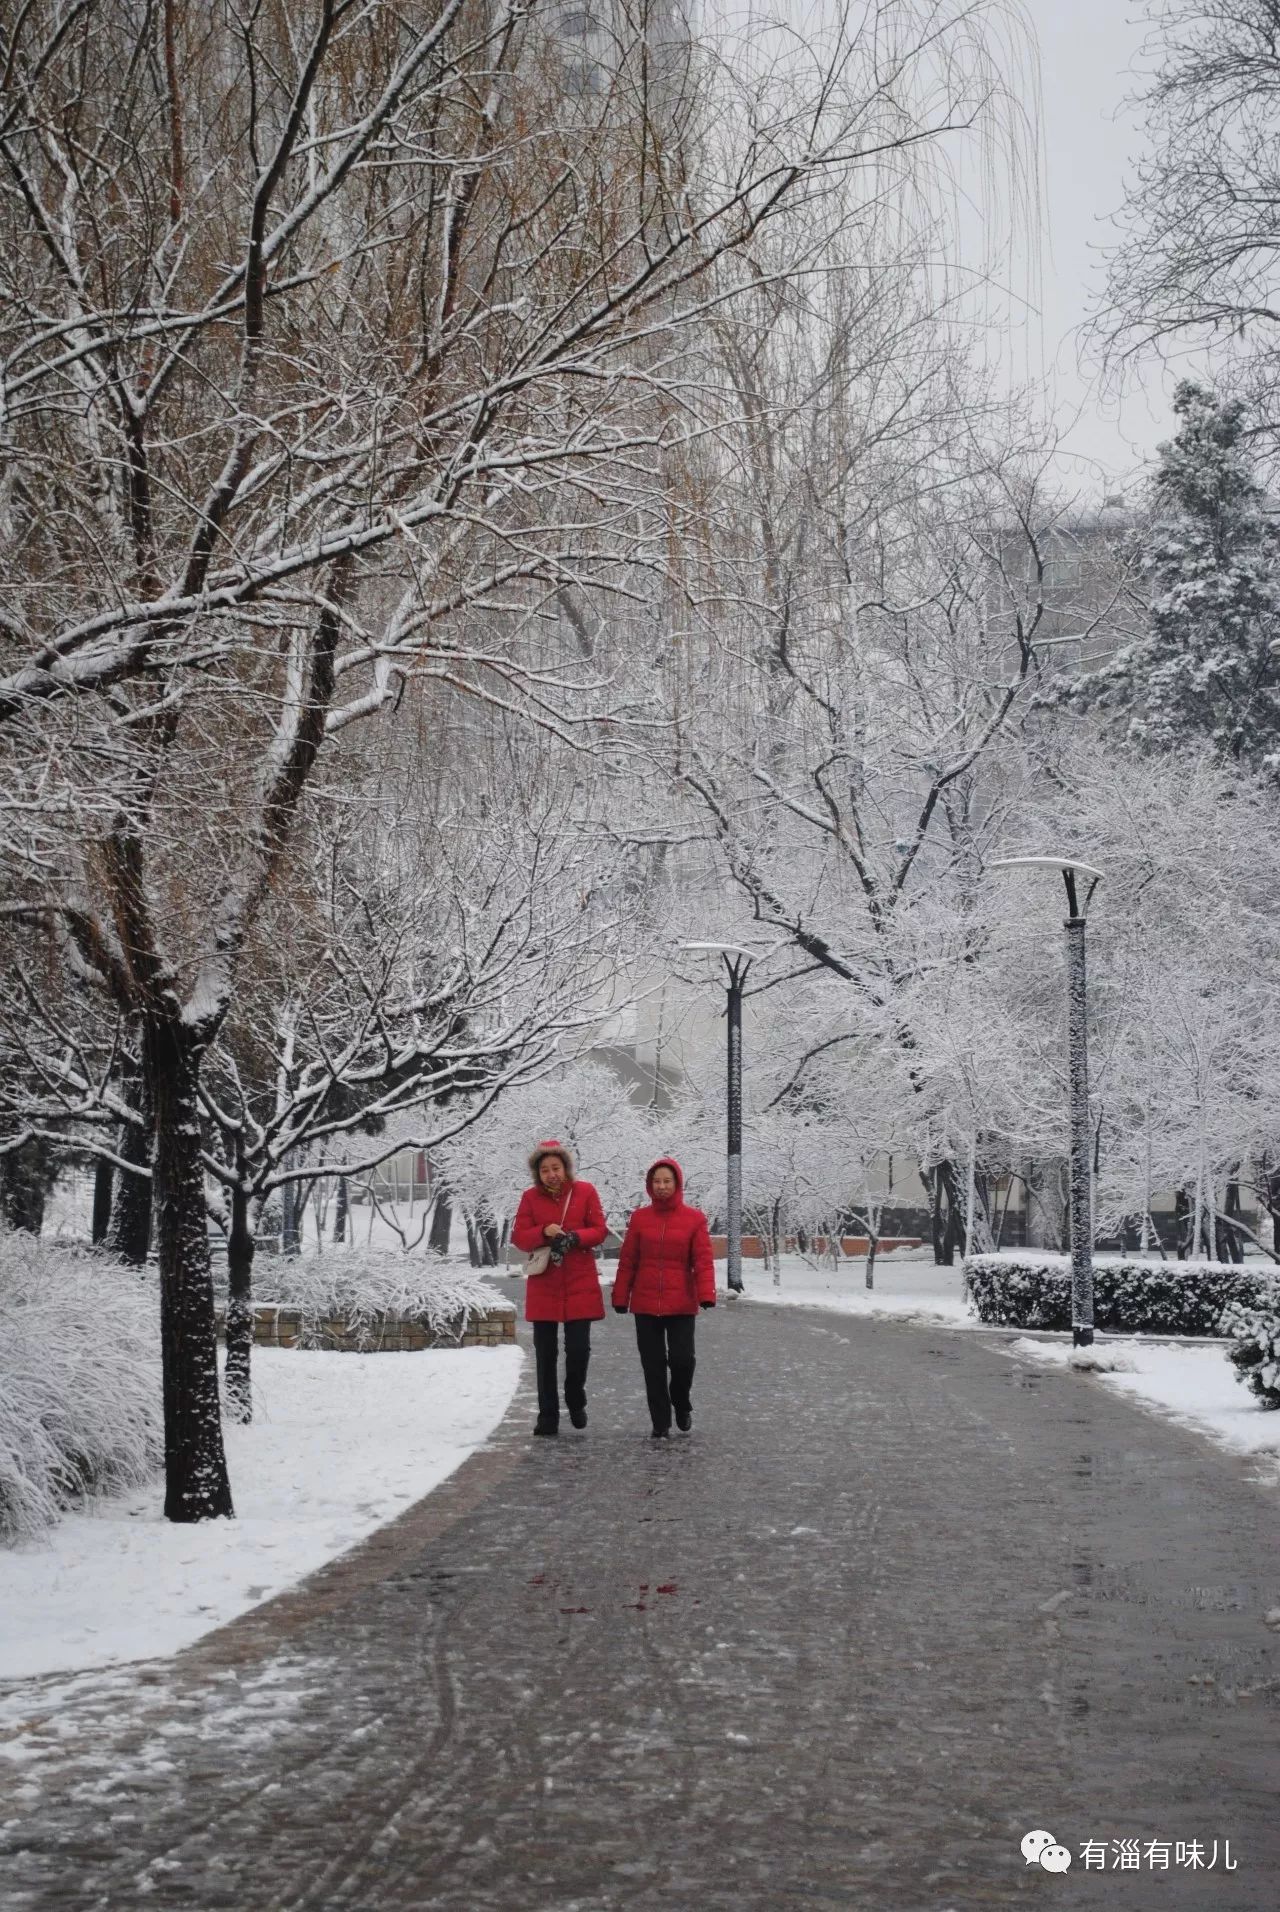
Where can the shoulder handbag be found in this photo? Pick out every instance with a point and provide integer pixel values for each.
(540, 1260)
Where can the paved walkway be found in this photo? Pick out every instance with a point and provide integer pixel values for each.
(899, 1600)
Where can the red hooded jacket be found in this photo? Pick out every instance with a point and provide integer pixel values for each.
(570, 1292)
(665, 1267)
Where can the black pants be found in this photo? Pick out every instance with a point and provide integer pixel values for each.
(666, 1342)
(577, 1353)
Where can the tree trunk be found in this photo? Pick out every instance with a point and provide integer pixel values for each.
(196, 1484)
(971, 1193)
(237, 1379)
(1002, 1213)
(1198, 1223)
(943, 1184)
(1181, 1212)
(1234, 1238)
(487, 1236)
(26, 1176)
(1047, 1219)
(291, 1204)
(341, 1204)
(129, 1236)
(103, 1177)
(933, 1184)
(441, 1224)
(1271, 1201)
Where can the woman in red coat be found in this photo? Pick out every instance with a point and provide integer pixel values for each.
(564, 1215)
(665, 1274)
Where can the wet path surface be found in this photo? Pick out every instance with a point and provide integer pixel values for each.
(897, 1601)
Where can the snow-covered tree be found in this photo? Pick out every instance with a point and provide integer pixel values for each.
(445, 948)
(584, 1104)
(877, 778)
(1194, 267)
(1207, 667)
(1184, 979)
(359, 339)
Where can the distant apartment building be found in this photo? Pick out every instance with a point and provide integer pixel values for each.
(603, 40)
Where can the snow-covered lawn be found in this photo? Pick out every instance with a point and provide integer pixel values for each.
(906, 1283)
(1195, 1385)
(341, 1443)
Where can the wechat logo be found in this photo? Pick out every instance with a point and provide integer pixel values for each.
(1042, 1849)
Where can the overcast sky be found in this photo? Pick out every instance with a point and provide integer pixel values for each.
(1089, 62)
(1087, 48)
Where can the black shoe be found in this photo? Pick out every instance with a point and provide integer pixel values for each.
(549, 1429)
(660, 1434)
(578, 1416)
(684, 1419)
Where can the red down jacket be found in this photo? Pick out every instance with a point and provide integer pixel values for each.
(665, 1267)
(570, 1292)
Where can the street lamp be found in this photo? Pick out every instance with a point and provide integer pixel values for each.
(1078, 1083)
(737, 962)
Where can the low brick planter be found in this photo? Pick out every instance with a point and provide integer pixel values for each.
(850, 1245)
(376, 1334)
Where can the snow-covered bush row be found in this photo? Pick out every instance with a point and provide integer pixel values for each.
(362, 1285)
(79, 1379)
(1129, 1297)
(1256, 1355)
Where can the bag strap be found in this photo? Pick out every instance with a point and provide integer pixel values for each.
(563, 1212)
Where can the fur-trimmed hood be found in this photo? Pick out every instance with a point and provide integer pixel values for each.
(543, 1149)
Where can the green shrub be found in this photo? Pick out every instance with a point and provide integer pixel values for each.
(1033, 1290)
(1256, 1355)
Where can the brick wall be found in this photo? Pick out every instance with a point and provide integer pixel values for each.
(850, 1245)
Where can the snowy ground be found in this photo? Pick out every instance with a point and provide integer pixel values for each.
(906, 1283)
(1194, 1385)
(341, 1443)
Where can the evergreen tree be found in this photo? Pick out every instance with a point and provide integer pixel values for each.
(1207, 666)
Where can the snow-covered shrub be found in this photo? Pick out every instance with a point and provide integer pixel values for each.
(1033, 1290)
(79, 1379)
(1256, 1355)
(363, 1286)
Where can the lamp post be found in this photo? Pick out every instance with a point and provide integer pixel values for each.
(1077, 1080)
(736, 963)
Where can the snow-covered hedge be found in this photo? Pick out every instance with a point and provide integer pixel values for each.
(1256, 1355)
(1033, 1290)
(361, 1286)
(79, 1379)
